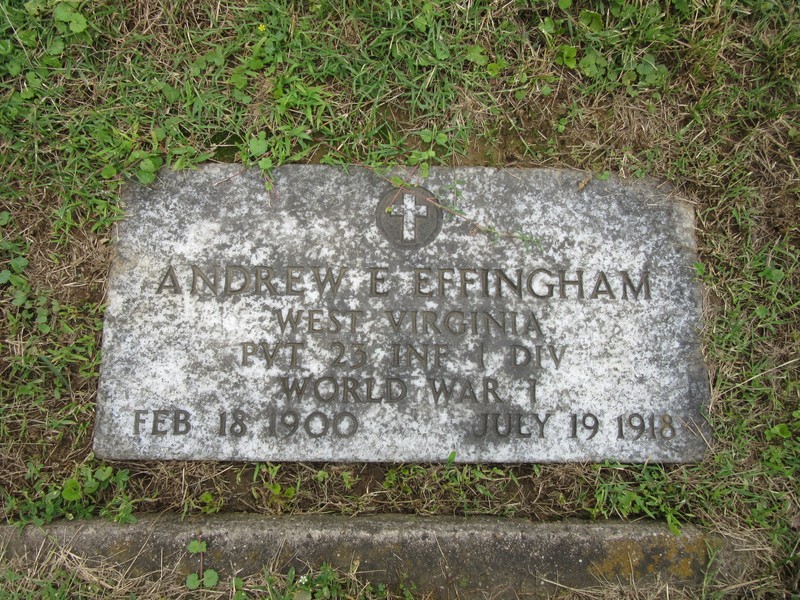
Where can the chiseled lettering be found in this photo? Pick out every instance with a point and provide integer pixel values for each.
(520, 424)
(396, 390)
(563, 282)
(445, 282)
(489, 320)
(294, 387)
(515, 285)
(490, 390)
(353, 314)
(508, 425)
(293, 274)
(440, 390)
(521, 356)
(502, 431)
(422, 277)
(199, 274)
(180, 423)
(407, 354)
(350, 389)
(288, 318)
(326, 382)
(518, 351)
(556, 356)
(485, 282)
(429, 321)
(269, 356)
(466, 281)
(421, 355)
(244, 276)
(460, 327)
(138, 420)
(317, 320)
(248, 349)
(602, 287)
(329, 280)
(532, 325)
(483, 422)
(440, 352)
(336, 324)
(314, 325)
(396, 322)
(173, 284)
(270, 351)
(644, 285)
(541, 422)
(370, 397)
(533, 280)
(297, 280)
(263, 277)
(467, 392)
(461, 390)
(377, 279)
(159, 417)
(293, 346)
(459, 323)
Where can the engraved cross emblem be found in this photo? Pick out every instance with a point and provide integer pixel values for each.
(410, 211)
(410, 221)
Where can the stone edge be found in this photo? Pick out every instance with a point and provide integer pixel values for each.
(465, 556)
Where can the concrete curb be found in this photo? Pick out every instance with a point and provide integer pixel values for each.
(446, 556)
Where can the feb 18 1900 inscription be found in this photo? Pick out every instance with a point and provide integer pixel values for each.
(348, 315)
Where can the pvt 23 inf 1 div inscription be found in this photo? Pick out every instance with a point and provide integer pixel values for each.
(343, 318)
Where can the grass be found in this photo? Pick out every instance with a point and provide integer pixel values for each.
(704, 95)
(60, 575)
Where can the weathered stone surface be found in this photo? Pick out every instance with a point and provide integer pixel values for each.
(340, 318)
(448, 556)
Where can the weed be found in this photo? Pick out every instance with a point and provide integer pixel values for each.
(75, 497)
(206, 504)
(208, 578)
(325, 583)
(266, 482)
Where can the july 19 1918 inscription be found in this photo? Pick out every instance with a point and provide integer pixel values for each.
(349, 315)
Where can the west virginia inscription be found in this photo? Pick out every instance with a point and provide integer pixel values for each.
(346, 317)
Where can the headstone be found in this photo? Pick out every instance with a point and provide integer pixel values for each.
(475, 315)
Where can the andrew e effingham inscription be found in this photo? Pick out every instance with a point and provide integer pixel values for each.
(341, 317)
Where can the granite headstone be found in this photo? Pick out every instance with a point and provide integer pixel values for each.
(477, 314)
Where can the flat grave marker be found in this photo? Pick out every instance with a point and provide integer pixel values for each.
(349, 315)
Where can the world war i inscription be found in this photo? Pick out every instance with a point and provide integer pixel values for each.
(348, 315)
